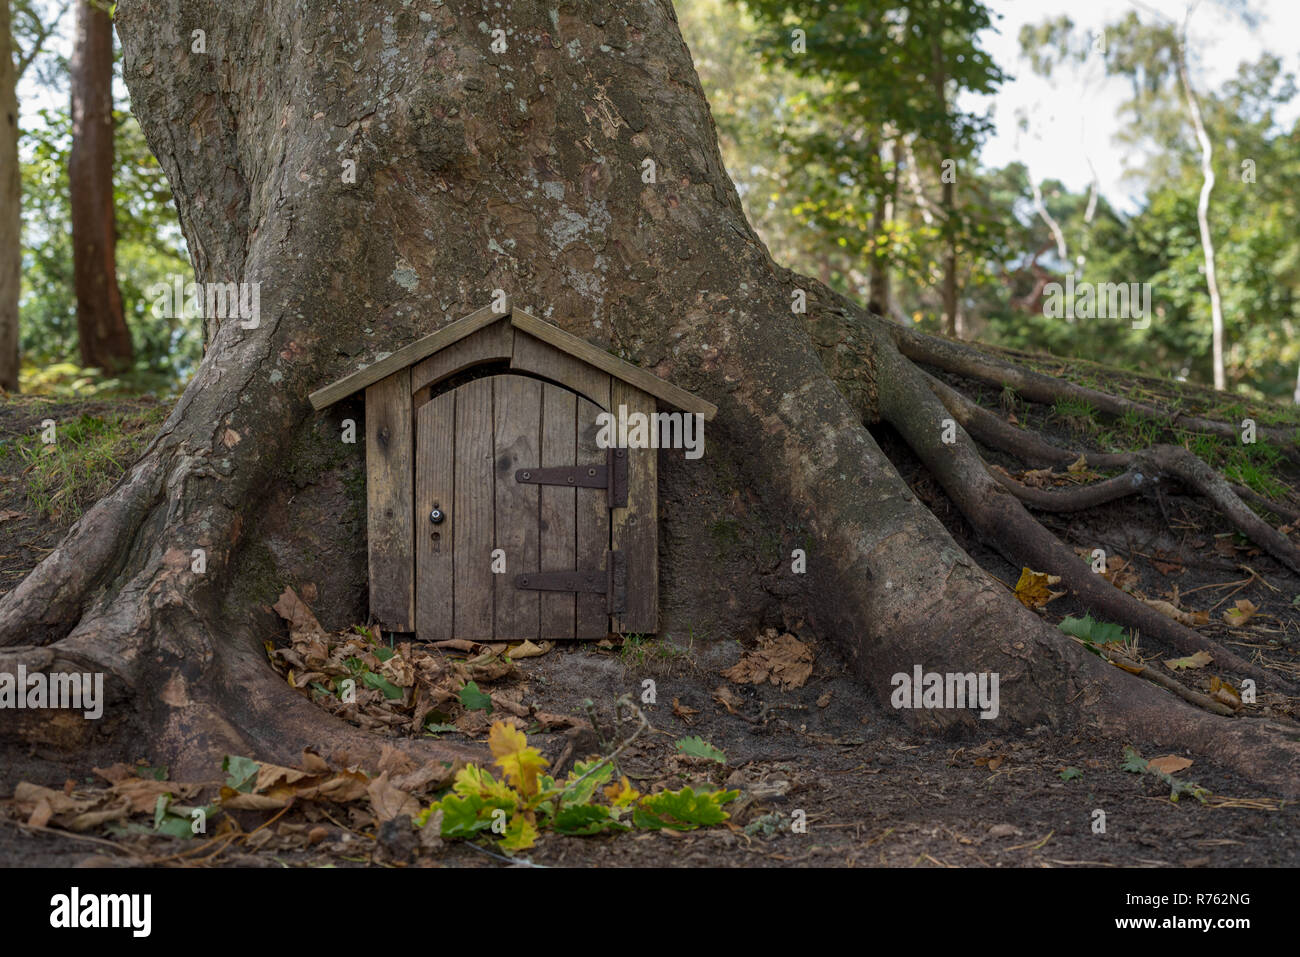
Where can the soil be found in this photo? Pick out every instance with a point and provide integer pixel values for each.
(872, 790)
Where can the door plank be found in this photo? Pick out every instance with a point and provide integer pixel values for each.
(592, 526)
(558, 525)
(435, 458)
(543, 359)
(389, 498)
(473, 511)
(635, 529)
(517, 445)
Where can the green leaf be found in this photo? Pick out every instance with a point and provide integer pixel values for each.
(174, 826)
(1069, 774)
(585, 819)
(241, 773)
(697, 747)
(682, 810)
(1134, 763)
(160, 809)
(475, 700)
(383, 654)
(153, 774)
(389, 689)
(581, 794)
(520, 835)
(463, 816)
(1091, 631)
(435, 728)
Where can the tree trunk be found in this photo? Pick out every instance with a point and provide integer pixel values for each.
(101, 326)
(516, 160)
(1203, 208)
(11, 252)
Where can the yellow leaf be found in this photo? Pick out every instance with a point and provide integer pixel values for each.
(1224, 693)
(1243, 613)
(520, 763)
(1079, 465)
(1198, 660)
(621, 793)
(1033, 588)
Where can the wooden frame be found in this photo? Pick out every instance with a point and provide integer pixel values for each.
(409, 454)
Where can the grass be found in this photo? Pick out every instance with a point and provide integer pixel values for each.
(87, 457)
(638, 651)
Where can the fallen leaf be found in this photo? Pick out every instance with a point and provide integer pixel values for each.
(301, 621)
(1079, 465)
(685, 712)
(387, 801)
(783, 660)
(1169, 763)
(1034, 588)
(230, 438)
(824, 700)
(526, 649)
(1198, 660)
(1190, 619)
(1224, 693)
(9, 513)
(727, 698)
(1243, 613)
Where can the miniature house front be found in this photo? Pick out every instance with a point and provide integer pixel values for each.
(493, 513)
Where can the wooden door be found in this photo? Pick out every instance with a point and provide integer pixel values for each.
(500, 464)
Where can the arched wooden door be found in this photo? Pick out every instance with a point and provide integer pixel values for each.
(512, 513)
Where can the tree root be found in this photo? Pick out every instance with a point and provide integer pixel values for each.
(908, 403)
(963, 360)
(1154, 464)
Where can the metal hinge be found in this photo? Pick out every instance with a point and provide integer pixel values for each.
(610, 581)
(611, 476)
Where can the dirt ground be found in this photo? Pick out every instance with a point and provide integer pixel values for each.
(872, 792)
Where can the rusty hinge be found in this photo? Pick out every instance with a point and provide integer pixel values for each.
(610, 581)
(611, 476)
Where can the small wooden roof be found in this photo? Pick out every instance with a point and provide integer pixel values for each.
(545, 331)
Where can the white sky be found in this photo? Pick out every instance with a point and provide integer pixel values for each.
(1074, 116)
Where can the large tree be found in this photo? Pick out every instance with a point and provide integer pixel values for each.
(515, 160)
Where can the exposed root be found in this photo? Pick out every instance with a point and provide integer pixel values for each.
(908, 404)
(1154, 464)
(1044, 389)
(1155, 676)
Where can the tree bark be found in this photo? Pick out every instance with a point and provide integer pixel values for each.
(1203, 207)
(11, 253)
(104, 340)
(513, 160)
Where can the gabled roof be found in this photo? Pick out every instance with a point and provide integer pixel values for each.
(480, 319)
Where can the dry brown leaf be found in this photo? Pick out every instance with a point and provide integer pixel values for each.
(8, 514)
(685, 712)
(728, 699)
(1034, 588)
(1078, 465)
(824, 700)
(1243, 613)
(1169, 763)
(1189, 618)
(783, 660)
(1224, 693)
(387, 801)
(526, 649)
(301, 621)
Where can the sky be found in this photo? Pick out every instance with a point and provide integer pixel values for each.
(1075, 115)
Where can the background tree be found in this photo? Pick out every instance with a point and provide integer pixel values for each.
(24, 30)
(104, 339)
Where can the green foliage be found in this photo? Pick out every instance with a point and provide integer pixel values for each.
(475, 700)
(527, 801)
(1091, 632)
(697, 747)
(88, 456)
(1070, 774)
